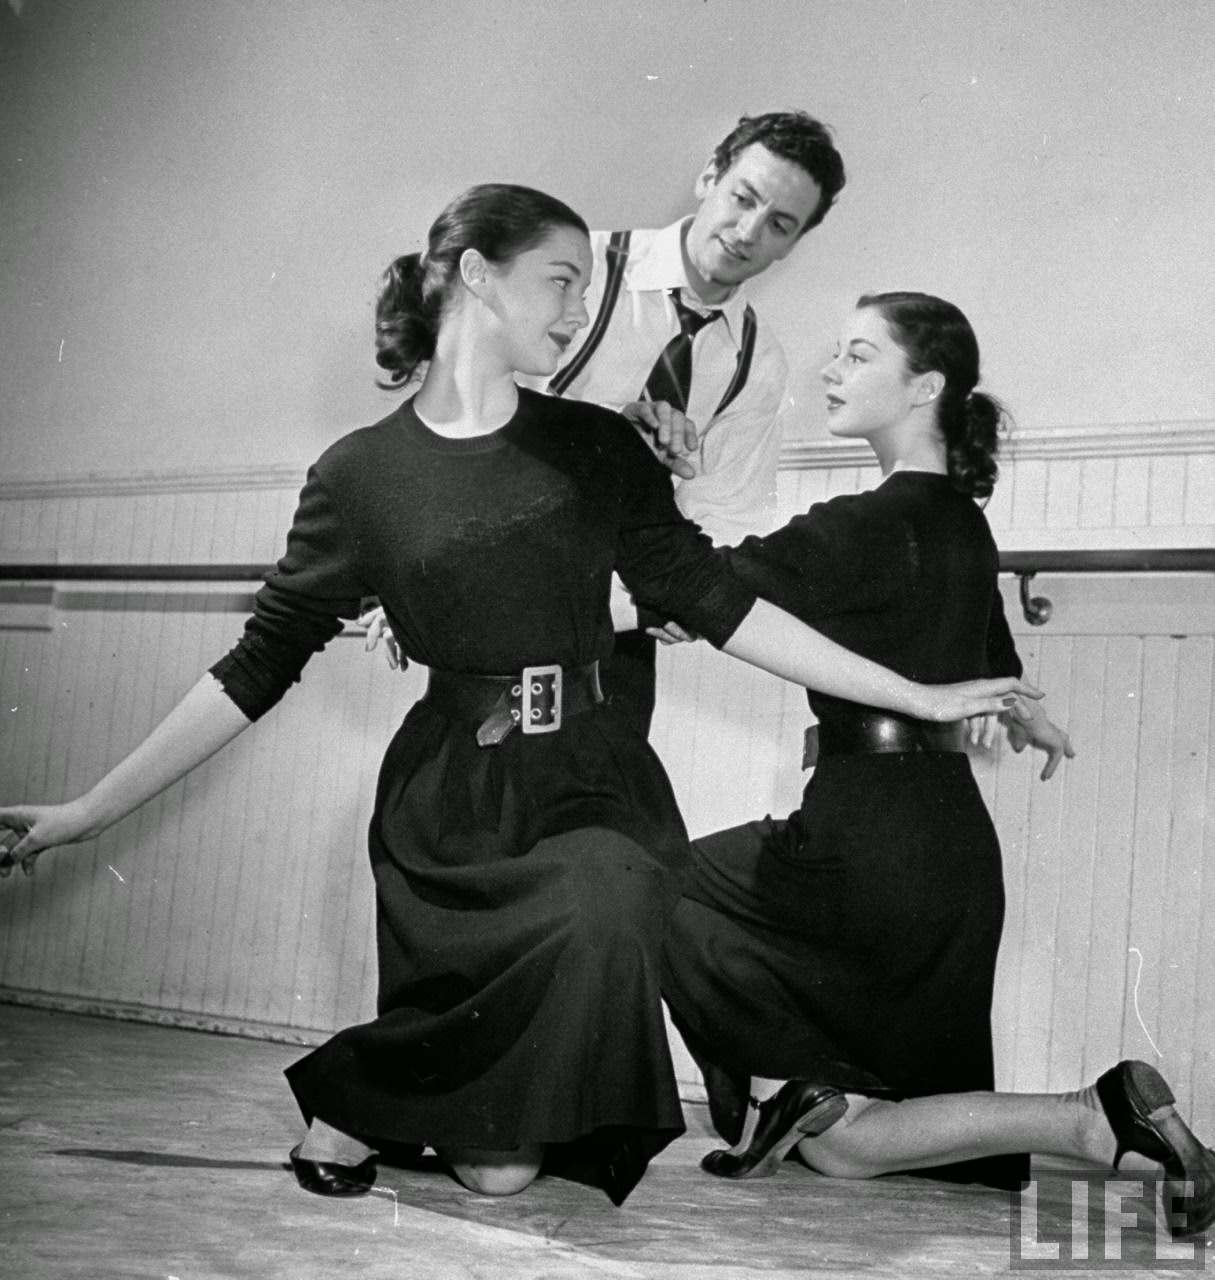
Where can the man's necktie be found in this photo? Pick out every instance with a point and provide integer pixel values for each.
(671, 377)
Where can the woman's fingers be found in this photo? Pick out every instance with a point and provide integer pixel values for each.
(1022, 688)
(376, 622)
(981, 730)
(978, 698)
(17, 844)
(1059, 749)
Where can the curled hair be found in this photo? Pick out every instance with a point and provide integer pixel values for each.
(935, 336)
(497, 219)
(794, 136)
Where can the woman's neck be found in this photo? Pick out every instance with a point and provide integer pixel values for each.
(908, 446)
(465, 393)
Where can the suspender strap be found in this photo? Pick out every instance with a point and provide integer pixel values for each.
(742, 368)
(617, 256)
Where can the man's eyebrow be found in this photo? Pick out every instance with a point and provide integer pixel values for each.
(758, 196)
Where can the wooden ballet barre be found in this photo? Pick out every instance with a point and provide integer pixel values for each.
(134, 572)
(1024, 564)
(1038, 609)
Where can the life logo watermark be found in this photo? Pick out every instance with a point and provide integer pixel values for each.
(1092, 1220)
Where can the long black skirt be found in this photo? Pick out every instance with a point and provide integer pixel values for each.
(853, 943)
(522, 893)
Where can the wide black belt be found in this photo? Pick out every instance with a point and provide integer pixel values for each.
(537, 700)
(876, 733)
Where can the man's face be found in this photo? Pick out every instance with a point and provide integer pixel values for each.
(749, 217)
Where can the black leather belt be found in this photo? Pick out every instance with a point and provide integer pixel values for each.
(537, 700)
(874, 733)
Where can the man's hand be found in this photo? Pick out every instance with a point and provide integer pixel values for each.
(1029, 726)
(669, 433)
(376, 622)
(671, 633)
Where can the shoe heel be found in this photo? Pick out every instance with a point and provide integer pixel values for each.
(1151, 1089)
(811, 1124)
(819, 1119)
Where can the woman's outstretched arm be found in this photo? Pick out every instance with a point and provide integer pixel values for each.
(770, 638)
(202, 722)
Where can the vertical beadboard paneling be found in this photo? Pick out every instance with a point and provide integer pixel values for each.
(1029, 495)
(1132, 485)
(1166, 490)
(1200, 489)
(1097, 477)
(1117, 752)
(1150, 914)
(1062, 494)
(1184, 882)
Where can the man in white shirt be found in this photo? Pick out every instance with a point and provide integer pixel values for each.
(771, 180)
(767, 183)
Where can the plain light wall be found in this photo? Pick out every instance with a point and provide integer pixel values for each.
(197, 199)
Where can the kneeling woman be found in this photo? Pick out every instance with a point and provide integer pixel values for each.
(850, 950)
(524, 837)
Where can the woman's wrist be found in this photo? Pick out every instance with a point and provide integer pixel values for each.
(88, 815)
(917, 698)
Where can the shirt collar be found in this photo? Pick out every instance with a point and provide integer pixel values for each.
(659, 267)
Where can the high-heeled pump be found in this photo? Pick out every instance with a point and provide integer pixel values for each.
(323, 1178)
(799, 1109)
(1139, 1106)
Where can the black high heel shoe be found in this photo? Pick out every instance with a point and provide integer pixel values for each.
(799, 1109)
(323, 1178)
(1138, 1104)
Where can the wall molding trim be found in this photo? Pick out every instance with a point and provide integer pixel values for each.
(97, 484)
(126, 1011)
(1113, 440)
(690, 1091)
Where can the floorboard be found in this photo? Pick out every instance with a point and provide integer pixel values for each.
(131, 1151)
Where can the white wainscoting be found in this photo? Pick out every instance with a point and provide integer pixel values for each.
(240, 899)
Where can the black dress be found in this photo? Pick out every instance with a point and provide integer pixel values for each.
(521, 889)
(855, 942)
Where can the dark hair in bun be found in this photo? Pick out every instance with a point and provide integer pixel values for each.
(499, 220)
(935, 336)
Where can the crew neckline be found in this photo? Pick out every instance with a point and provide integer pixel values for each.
(485, 443)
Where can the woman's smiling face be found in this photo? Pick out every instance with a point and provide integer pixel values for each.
(537, 298)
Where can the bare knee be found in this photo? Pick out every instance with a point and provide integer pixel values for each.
(837, 1153)
(494, 1173)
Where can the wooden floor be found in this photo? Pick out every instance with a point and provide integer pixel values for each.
(132, 1151)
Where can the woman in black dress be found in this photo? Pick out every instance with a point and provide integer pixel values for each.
(525, 841)
(845, 957)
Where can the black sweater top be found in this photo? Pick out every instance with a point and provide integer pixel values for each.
(488, 554)
(905, 574)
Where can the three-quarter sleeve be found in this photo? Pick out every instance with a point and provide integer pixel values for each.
(1002, 656)
(299, 610)
(666, 562)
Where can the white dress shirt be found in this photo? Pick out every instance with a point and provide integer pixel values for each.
(733, 492)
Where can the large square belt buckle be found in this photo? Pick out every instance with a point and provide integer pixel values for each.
(541, 706)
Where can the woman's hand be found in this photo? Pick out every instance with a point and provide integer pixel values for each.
(376, 622)
(26, 830)
(981, 730)
(949, 702)
(671, 633)
(1030, 726)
